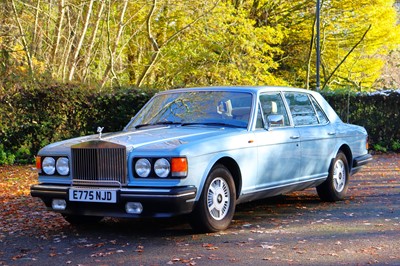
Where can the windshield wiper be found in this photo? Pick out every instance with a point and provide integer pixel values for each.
(213, 124)
(158, 123)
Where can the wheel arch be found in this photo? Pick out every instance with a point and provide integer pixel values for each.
(234, 169)
(349, 155)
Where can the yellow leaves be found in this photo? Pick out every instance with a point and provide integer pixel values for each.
(17, 62)
(15, 181)
(343, 25)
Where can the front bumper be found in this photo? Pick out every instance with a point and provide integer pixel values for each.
(156, 202)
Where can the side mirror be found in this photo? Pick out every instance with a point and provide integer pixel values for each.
(275, 120)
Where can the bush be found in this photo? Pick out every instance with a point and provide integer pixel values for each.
(34, 117)
(378, 112)
(38, 115)
(6, 158)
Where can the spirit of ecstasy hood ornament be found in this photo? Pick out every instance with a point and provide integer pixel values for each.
(99, 130)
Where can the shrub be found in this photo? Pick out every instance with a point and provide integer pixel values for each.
(6, 158)
(40, 114)
(378, 112)
(36, 116)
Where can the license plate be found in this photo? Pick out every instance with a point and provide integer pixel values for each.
(93, 195)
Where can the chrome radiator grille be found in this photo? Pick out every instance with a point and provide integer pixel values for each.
(99, 161)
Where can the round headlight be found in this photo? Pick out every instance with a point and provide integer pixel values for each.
(62, 166)
(49, 166)
(162, 167)
(142, 167)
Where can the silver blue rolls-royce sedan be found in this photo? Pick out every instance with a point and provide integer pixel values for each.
(200, 152)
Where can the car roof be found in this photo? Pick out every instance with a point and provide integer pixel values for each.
(250, 89)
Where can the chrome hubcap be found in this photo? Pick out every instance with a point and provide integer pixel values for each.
(339, 176)
(218, 198)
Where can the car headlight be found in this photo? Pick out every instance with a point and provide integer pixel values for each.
(49, 166)
(162, 167)
(143, 167)
(62, 166)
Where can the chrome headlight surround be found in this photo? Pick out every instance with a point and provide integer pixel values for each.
(53, 165)
(160, 167)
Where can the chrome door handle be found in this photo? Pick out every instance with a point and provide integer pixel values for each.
(295, 137)
(332, 133)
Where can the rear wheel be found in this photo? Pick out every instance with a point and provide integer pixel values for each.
(335, 186)
(216, 206)
(81, 219)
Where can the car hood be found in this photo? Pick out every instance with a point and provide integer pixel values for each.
(159, 138)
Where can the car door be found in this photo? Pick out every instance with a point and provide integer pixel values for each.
(278, 144)
(317, 135)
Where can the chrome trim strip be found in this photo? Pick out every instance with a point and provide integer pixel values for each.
(285, 185)
(145, 190)
(81, 182)
(123, 192)
(158, 196)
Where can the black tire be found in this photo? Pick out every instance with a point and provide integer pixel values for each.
(78, 220)
(215, 209)
(335, 186)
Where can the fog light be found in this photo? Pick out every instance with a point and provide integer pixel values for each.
(58, 204)
(134, 207)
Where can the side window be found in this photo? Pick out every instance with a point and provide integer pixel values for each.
(321, 115)
(302, 109)
(273, 110)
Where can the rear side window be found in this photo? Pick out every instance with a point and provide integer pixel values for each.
(305, 110)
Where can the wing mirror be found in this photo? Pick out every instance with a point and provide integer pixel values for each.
(275, 120)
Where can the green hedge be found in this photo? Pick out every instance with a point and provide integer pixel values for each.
(378, 112)
(34, 117)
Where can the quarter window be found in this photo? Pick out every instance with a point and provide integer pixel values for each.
(304, 112)
(320, 114)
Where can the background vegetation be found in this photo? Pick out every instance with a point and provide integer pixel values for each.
(179, 43)
(67, 66)
(39, 116)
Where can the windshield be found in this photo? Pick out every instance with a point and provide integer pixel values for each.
(196, 107)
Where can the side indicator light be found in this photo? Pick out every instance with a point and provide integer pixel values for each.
(179, 167)
(39, 164)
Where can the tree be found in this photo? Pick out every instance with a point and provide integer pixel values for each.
(171, 43)
(343, 26)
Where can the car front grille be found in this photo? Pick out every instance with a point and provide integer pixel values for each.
(99, 162)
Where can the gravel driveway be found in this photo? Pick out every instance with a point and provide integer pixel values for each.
(295, 229)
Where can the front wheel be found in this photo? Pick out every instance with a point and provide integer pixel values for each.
(335, 186)
(216, 206)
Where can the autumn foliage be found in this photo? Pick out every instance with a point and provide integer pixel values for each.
(164, 44)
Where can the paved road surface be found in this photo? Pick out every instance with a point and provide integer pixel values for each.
(296, 229)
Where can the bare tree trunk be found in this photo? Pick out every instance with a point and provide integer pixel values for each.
(35, 40)
(24, 43)
(110, 66)
(88, 58)
(79, 46)
(70, 42)
(60, 21)
(309, 55)
(154, 44)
